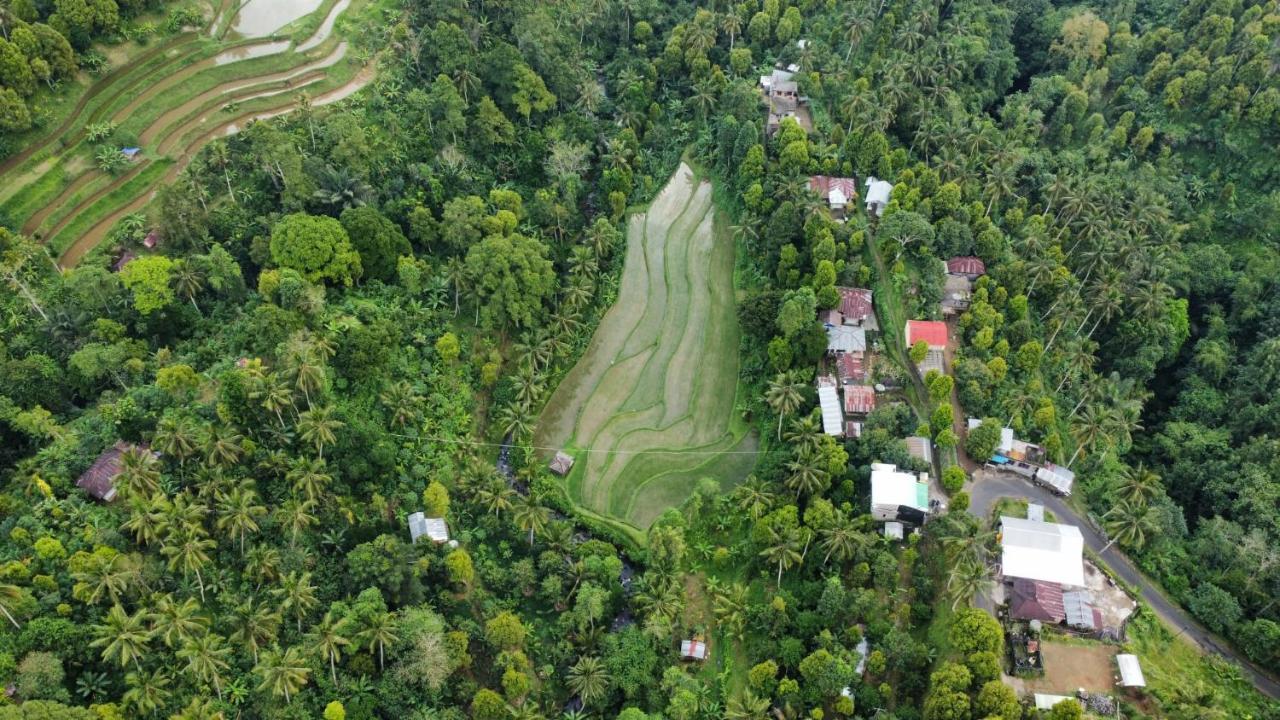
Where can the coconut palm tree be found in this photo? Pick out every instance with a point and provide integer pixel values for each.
(1128, 523)
(318, 427)
(495, 496)
(123, 637)
(309, 478)
(1089, 427)
(784, 548)
(190, 552)
(106, 576)
(806, 476)
(9, 594)
(379, 631)
(966, 579)
(400, 400)
(223, 447)
(238, 512)
(283, 673)
(255, 626)
(206, 659)
(1139, 485)
(327, 639)
(276, 396)
(177, 435)
(784, 395)
(296, 594)
(731, 608)
(296, 516)
(147, 692)
(589, 679)
(188, 281)
(754, 497)
(531, 517)
(139, 472)
(177, 622)
(147, 519)
(841, 541)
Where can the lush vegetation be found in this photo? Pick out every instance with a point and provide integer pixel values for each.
(350, 311)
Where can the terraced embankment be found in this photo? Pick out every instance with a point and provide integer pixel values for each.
(254, 60)
(649, 409)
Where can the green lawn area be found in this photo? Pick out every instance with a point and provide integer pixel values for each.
(649, 409)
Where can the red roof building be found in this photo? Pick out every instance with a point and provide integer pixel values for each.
(933, 332)
(823, 185)
(855, 304)
(1037, 600)
(852, 368)
(859, 399)
(966, 265)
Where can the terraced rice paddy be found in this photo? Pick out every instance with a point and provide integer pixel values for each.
(649, 409)
(253, 60)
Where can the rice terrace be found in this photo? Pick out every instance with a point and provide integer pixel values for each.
(160, 104)
(649, 409)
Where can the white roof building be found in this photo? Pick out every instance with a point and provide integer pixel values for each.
(1130, 671)
(878, 195)
(846, 338)
(832, 414)
(693, 649)
(1056, 477)
(1046, 702)
(893, 530)
(1044, 551)
(1035, 512)
(436, 530)
(892, 489)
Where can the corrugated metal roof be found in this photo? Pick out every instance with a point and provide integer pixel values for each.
(1130, 671)
(832, 418)
(1079, 609)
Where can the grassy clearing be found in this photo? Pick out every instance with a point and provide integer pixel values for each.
(1178, 674)
(653, 397)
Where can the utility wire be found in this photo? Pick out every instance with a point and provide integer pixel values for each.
(481, 443)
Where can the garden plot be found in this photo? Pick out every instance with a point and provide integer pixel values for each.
(649, 409)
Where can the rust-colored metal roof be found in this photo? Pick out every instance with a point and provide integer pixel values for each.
(855, 303)
(966, 265)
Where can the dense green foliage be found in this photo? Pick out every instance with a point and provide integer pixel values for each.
(350, 309)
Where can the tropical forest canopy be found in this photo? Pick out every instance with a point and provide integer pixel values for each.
(352, 307)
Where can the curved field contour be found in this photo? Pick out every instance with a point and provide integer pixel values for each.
(649, 409)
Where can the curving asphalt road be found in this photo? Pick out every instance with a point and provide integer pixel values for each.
(988, 487)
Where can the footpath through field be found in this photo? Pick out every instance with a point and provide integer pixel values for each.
(649, 409)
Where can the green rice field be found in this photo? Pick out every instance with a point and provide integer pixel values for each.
(648, 411)
(253, 59)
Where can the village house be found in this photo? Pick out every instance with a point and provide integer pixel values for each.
(898, 496)
(99, 481)
(967, 267)
(837, 192)
(934, 334)
(845, 339)
(957, 288)
(1028, 460)
(782, 95)
(434, 529)
(851, 367)
(878, 192)
(829, 401)
(859, 400)
(856, 308)
(1043, 551)
(695, 649)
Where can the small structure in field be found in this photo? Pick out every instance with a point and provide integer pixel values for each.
(829, 401)
(695, 649)
(151, 240)
(99, 481)
(562, 463)
(1130, 671)
(859, 399)
(1049, 552)
(434, 529)
(878, 192)
(131, 153)
(898, 496)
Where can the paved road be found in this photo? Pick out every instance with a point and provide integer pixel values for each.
(989, 487)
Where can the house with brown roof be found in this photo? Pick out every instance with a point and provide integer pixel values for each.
(99, 481)
(852, 368)
(966, 266)
(856, 307)
(562, 463)
(837, 192)
(1037, 600)
(859, 399)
